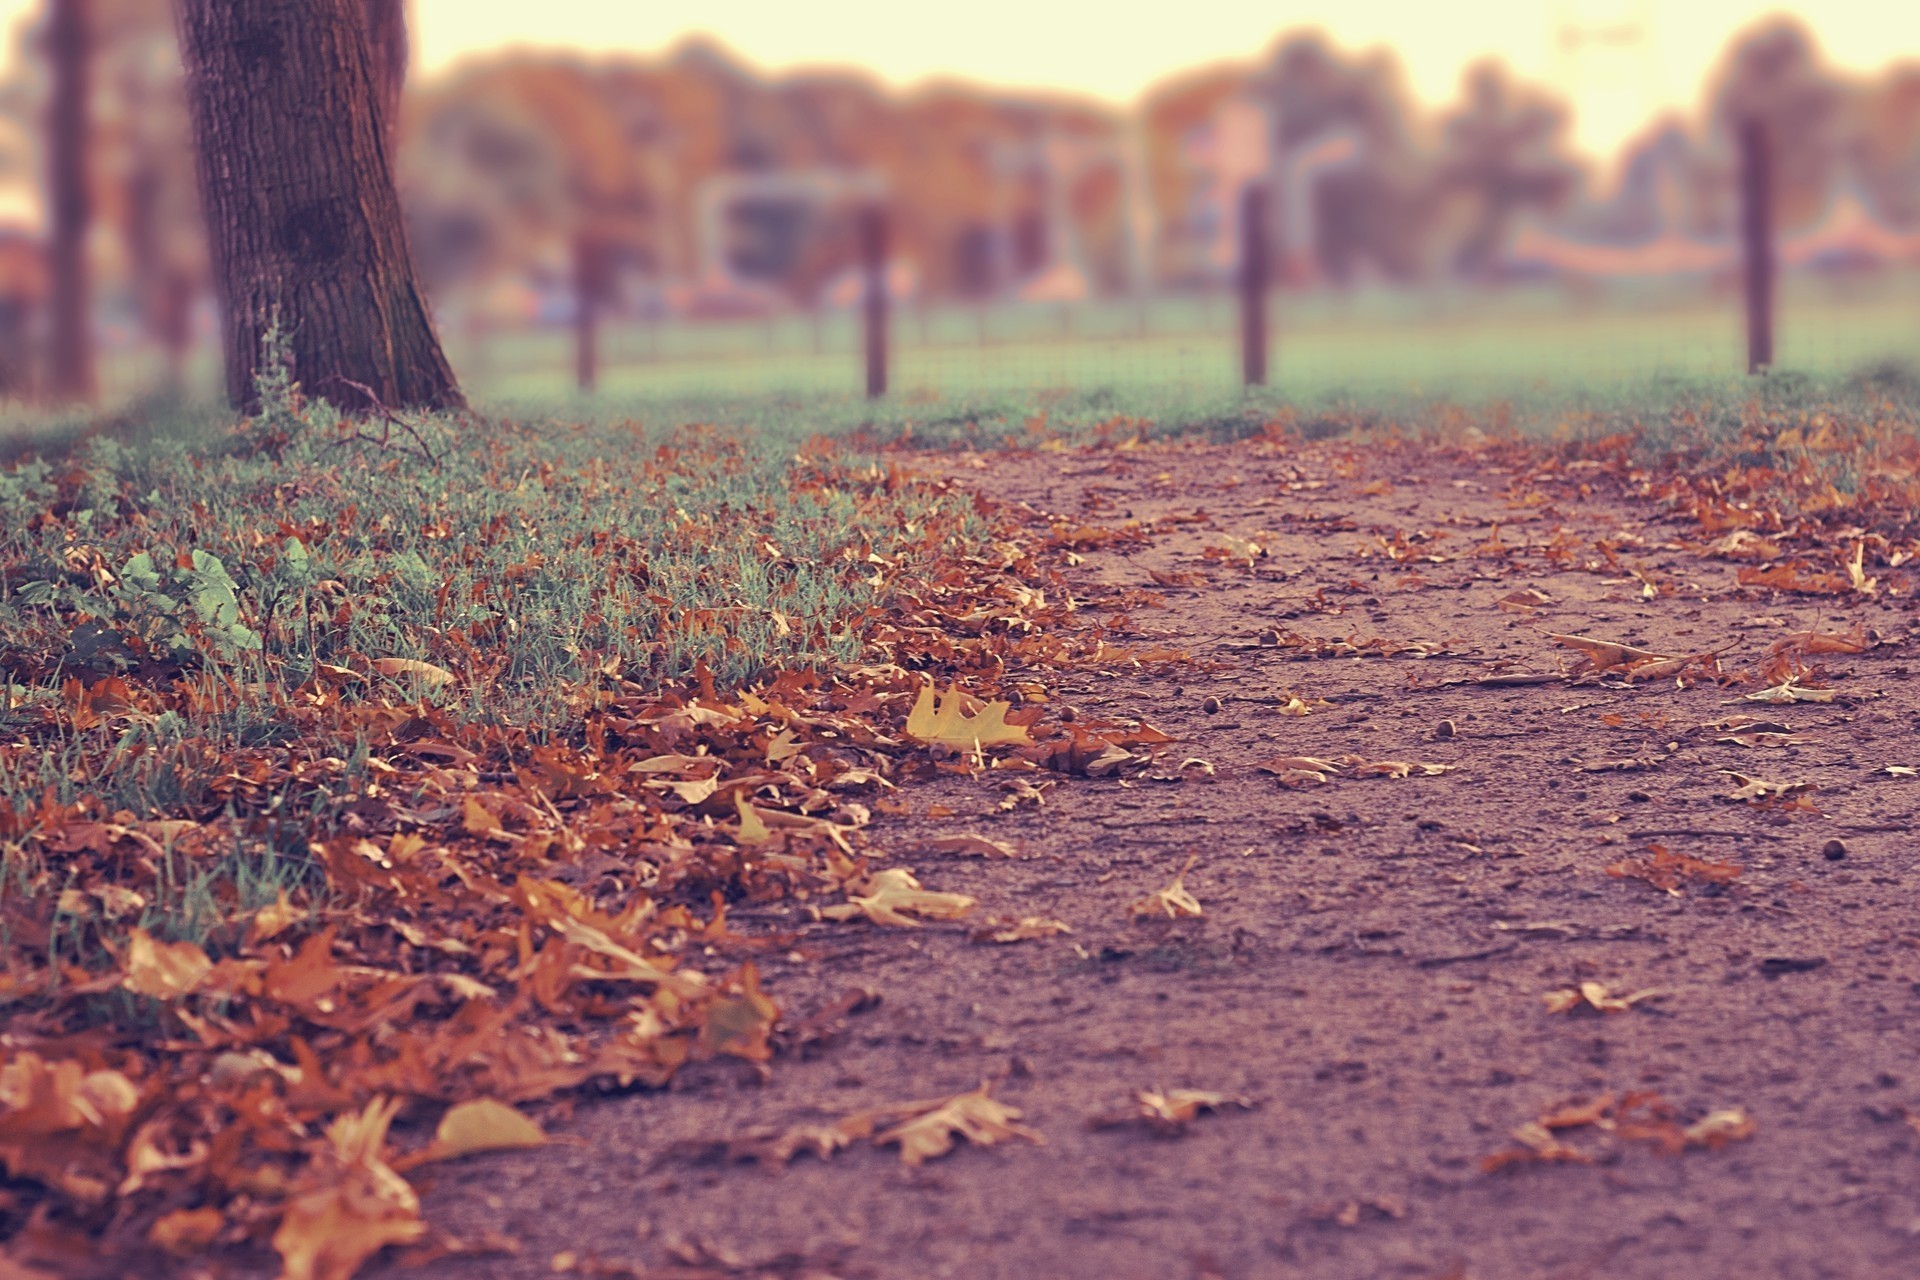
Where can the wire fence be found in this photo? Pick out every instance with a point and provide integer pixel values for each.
(1437, 340)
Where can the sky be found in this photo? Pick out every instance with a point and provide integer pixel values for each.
(1114, 51)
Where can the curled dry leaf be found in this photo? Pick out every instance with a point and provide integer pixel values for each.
(978, 846)
(893, 896)
(1025, 929)
(1610, 655)
(1595, 998)
(426, 674)
(974, 1116)
(1664, 869)
(1395, 768)
(1169, 1112)
(1761, 789)
(1173, 902)
(1790, 691)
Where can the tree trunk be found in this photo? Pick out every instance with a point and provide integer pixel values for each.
(297, 183)
(70, 375)
(387, 42)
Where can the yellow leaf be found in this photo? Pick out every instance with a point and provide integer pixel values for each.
(349, 1203)
(477, 820)
(163, 970)
(973, 1116)
(889, 895)
(947, 724)
(753, 829)
(274, 919)
(481, 1125)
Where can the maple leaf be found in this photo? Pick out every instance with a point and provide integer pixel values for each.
(1174, 901)
(889, 895)
(973, 1116)
(947, 724)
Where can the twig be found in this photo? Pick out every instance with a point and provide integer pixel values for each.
(389, 420)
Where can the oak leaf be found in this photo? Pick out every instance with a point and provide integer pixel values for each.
(973, 1116)
(947, 724)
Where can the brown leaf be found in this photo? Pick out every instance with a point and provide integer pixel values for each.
(1025, 929)
(974, 1116)
(1173, 902)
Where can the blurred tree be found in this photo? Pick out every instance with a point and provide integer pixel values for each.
(301, 209)
(69, 37)
(1773, 74)
(1503, 152)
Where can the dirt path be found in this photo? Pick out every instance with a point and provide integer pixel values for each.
(1374, 951)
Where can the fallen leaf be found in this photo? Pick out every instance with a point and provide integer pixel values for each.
(947, 724)
(1167, 1113)
(1789, 691)
(1717, 1128)
(163, 970)
(1608, 655)
(1174, 901)
(1664, 869)
(974, 1116)
(1594, 997)
(429, 675)
(889, 896)
(472, 1127)
(1025, 929)
(965, 844)
(1761, 789)
(349, 1203)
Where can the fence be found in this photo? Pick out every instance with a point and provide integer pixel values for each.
(1440, 338)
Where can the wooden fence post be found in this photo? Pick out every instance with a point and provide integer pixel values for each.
(587, 288)
(1756, 238)
(1253, 284)
(873, 261)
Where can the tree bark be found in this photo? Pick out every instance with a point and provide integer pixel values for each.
(387, 43)
(296, 180)
(70, 373)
